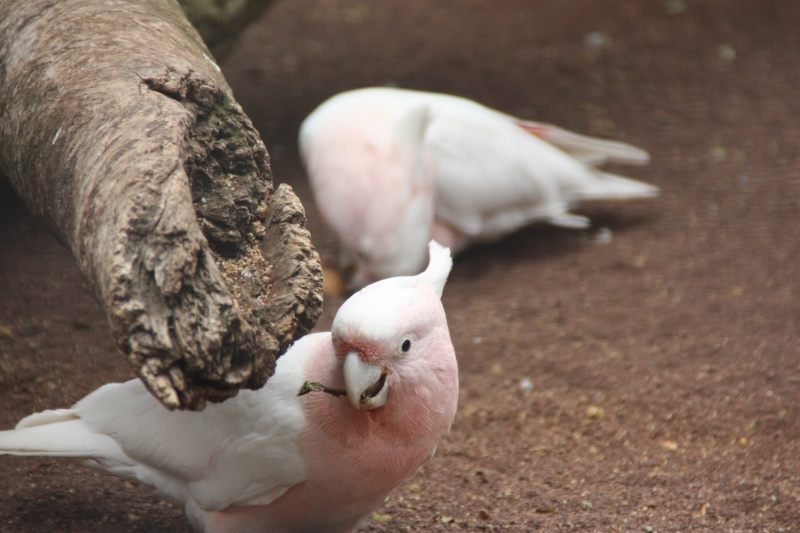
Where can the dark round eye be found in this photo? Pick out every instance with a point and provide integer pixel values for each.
(406, 345)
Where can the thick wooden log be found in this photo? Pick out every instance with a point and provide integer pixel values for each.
(118, 130)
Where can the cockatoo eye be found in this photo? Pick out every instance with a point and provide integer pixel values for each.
(406, 346)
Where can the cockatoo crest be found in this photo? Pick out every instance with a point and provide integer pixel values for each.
(438, 267)
(380, 310)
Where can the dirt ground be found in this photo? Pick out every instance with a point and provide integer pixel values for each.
(646, 383)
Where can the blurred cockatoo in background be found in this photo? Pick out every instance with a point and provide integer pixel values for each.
(379, 391)
(393, 168)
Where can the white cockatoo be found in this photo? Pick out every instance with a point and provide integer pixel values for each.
(347, 416)
(393, 168)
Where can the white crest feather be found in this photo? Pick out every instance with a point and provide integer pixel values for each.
(438, 267)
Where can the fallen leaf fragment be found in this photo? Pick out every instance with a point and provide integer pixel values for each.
(381, 517)
(670, 445)
(595, 411)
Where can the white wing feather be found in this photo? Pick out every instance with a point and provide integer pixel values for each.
(493, 176)
(243, 451)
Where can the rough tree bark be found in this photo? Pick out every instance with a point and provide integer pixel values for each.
(118, 130)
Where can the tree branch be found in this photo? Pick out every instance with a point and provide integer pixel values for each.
(118, 130)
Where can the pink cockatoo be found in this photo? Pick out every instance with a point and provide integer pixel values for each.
(393, 168)
(347, 416)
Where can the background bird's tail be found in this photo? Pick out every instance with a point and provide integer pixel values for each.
(608, 186)
(587, 150)
(592, 151)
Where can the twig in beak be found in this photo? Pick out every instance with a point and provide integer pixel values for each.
(314, 386)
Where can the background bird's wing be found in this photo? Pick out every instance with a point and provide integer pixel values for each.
(491, 176)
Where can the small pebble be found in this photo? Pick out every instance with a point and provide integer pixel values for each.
(727, 53)
(595, 411)
(603, 236)
(525, 385)
(676, 7)
(596, 39)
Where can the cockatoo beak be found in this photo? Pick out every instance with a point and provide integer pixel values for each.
(366, 384)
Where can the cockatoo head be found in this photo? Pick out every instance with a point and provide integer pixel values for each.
(394, 340)
(368, 168)
(393, 244)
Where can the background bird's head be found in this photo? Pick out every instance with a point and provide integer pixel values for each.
(365, 157)
(394, 340)
(392, 200)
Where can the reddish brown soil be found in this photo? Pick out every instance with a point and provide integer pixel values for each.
(664, 364)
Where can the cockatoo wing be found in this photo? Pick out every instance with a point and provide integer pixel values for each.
(243, 451)
(495, 173)
(492, 177)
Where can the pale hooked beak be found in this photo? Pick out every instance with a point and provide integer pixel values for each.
(366, 384)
